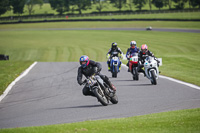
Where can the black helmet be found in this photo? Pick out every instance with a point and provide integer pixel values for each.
(114, 45)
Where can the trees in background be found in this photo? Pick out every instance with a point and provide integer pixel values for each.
(195, 3)
(81, 4)
(119, 3)
(31, 3)
(158, 3)
(129, 3)
(4, 6)
(150, 2)
(18, 6)
(179, 3)
(60, 5)
(139, 3)
(100, 4)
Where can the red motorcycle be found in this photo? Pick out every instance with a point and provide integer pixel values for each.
(133, 66)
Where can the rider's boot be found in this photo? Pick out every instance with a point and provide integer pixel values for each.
(107, 81)
(108, 68)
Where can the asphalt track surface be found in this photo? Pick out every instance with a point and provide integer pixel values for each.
(49, 94)
(127, 29)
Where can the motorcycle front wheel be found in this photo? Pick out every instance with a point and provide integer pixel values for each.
(135, 73)
(114, 74)
(153, 77)
(100, 96)
(114, 99)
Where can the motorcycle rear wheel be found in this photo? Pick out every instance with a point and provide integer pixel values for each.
(100, 96)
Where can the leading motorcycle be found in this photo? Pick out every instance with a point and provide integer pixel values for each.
(101, 90)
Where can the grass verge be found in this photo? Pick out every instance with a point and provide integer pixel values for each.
(10, 70)
(182, 121)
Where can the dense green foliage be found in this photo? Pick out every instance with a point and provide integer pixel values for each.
(4, 6)
(88, 6)
(183, 121)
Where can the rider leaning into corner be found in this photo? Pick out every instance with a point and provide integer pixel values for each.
(113, 51)
(88, 68)
(131, 50)
(145, 51)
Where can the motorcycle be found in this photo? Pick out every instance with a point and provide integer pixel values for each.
(133, 66)
(101, 90)
(151, 69)
(114, 66)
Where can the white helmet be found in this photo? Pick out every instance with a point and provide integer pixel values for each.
(133, 43)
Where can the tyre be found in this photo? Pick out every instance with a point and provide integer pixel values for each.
(136, 73)
(114, 99)
(115, 72)
(153, 77)
(100, 96)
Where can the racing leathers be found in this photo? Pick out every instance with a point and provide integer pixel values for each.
(113, 52)
(142, 58)
(129, 52)
(92, 68)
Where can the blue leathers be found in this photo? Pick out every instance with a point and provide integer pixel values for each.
(131, 51)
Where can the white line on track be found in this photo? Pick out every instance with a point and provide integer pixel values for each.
(175, 80)
(16, 80)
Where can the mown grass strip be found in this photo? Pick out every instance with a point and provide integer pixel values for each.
(104, 24)
(182, 121)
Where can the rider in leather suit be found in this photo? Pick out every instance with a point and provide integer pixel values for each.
(113, 51)
(88, 68)
(131, 50)
(144, 51)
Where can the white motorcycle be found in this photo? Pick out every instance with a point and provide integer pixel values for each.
(151, 69)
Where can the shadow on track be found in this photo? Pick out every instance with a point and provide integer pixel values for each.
(83, 106)
(136, 85)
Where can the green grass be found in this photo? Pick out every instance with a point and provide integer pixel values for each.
(100, 24)
(183, 121)
(10, 70)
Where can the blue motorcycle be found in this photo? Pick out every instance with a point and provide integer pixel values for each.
(115, 64)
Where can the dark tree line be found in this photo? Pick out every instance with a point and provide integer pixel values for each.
(62, 6)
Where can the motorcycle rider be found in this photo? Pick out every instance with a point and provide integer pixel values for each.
(114, 51)
(88, 68)
(145, 51)
(131, 50)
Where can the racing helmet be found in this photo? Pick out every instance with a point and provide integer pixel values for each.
(84, 61)
(114, 45)
(144, 48)
(133, 43)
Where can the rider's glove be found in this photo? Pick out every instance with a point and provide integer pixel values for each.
(97, 73)
(108, 56)
(120, 56)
